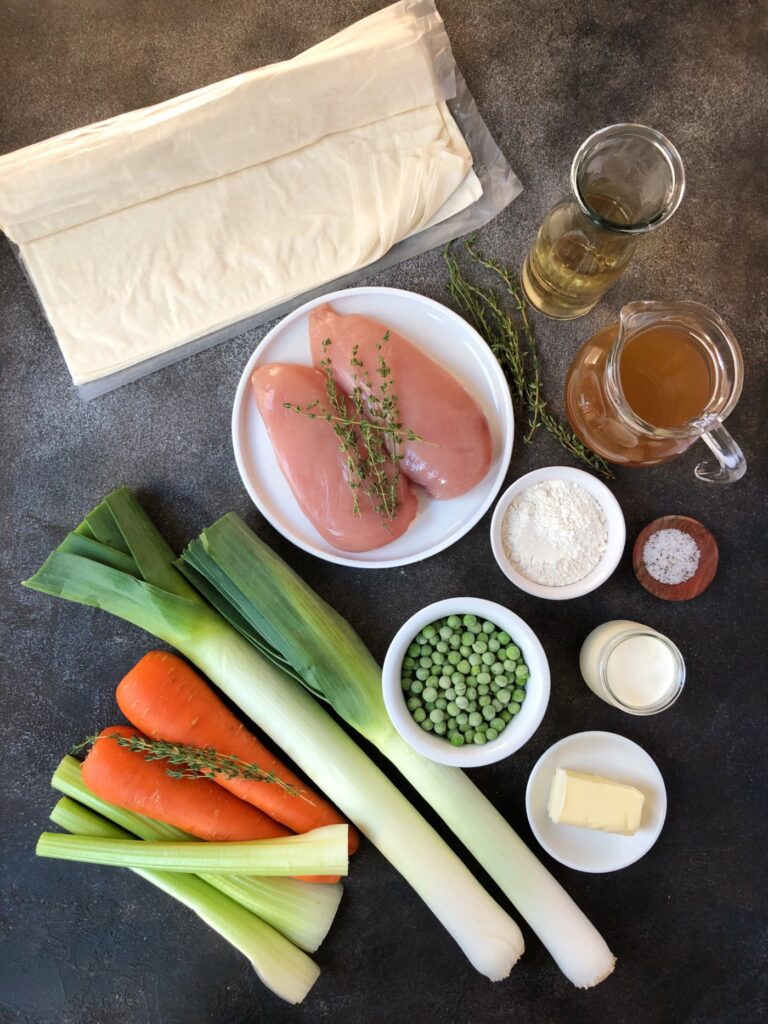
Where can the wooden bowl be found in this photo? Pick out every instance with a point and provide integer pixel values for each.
(705, 571)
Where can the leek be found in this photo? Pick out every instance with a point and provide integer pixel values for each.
(301, 911)
(158, 599)
(282, 967)
(332, 659)
(323, 851)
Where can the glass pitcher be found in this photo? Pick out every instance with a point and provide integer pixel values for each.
(626, 180)
(644, 389)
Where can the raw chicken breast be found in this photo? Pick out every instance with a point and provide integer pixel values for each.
(308, 453)
(431, 402)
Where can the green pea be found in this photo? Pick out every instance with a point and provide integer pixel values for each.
(412, 703)
(514, 707)
(484, 701)
(419, 715)
(488, 658)
(497, 669)
(491, 734)
(460, 687)
(475, 659)
(467, 639)
(430, 693)
(496, 704)
(506, 715)
(408, 662)
(488, 713)
(509, 666)
(493, 645)
(429, 705)
(422, 674)
(446, 633)
(444, 682)
(461, 719)
(479, 738)
(431, 681)
(429, 631)
(513, 653)
(469, 619)
(498, 724)
(472, 706)
(484, 679)
(503, 638)
(437, 658)
(442, 647)
(451, 723)
(453, 621)
(479, 647)
(462, 703)
(475, 630)
(482, 689)
(463, 667)
(417, 686)
(440, 728)
(414, 651)
(437, 715)
(475, 670)
(450, 693)
(454, 642)
(469, 735)
(518, 695)
(427, 725)
(504, 696)
(500, 682)
(457, 678)
(425, 650)
(475, 719)
(522, 672)
(465, 651)
(454, 658)
(441, 703)
(457, 739)
(471, 693)
(453, 709)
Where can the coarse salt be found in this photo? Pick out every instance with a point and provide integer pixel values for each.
(554, 533)
(671, 556)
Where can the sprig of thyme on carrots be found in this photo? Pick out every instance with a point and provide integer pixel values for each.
(195, 762)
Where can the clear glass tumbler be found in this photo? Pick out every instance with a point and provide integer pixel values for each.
(626, 180)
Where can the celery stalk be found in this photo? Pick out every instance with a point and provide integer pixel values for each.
(302, 911)
(281, 966)
(323, 851)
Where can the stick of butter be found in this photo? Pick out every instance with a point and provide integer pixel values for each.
(591, 801)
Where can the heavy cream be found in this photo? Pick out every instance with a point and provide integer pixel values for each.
(632, 667)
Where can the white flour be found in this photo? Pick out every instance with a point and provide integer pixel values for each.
(554, 533)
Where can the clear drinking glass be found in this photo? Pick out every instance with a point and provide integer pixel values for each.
(626, 180)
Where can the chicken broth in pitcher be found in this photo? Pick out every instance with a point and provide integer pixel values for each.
(666, 376)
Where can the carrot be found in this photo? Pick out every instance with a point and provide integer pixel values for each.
(165, 698)
(197, 806)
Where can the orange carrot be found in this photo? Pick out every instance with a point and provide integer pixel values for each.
(165, 698)
(198, 806)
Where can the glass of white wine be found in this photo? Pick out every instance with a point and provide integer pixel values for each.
(626, 180)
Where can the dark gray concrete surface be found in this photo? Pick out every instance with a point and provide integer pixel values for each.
(84, 945)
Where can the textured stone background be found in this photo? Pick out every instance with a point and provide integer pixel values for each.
(82, 945)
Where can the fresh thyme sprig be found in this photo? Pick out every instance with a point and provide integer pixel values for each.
(196, 762)
(372, 439)
(509, 335)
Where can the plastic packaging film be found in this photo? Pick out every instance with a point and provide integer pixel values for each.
(163, 231)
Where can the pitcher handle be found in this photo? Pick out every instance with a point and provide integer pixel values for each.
(729, 464)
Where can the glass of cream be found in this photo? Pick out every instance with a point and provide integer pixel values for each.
(632, 667)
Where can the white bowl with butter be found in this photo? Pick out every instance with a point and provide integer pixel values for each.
(613, 758)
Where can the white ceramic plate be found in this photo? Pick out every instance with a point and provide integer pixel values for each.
(613, 757)
(447, 339)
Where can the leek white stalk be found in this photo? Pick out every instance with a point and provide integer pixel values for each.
(301, 911)
(254, 584)
(323, 851)
(150, 593)
(280, 965)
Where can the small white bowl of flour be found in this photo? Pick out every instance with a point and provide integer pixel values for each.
(558, 533)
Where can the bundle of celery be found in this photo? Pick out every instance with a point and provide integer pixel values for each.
(116, 560)
(266, 919)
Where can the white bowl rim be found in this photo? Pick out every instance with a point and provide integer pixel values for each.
(617, 533)
(439, 749)
(639, 850)
(347, 558)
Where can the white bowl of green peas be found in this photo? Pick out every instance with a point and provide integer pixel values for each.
(466, 682)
